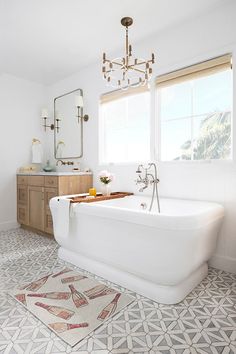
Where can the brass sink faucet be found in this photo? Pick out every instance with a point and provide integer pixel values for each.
(63, 163)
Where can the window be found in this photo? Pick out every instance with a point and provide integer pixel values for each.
(124, 130)
(194, 107)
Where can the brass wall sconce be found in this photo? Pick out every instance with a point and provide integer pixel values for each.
(79, 104)
(45, 116)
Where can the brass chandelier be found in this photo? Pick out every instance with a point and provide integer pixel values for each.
(127, 71)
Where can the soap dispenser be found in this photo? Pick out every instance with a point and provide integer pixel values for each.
(48, 167)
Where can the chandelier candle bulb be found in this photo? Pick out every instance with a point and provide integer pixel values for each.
(130, 50)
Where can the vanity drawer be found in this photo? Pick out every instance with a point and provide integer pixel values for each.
(22, 194)
(22, 215)
(22, 180)
(36, 181)
(49, 193)
(51, 181)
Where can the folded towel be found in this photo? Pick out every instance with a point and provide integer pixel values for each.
(37, 152)
(61, 217)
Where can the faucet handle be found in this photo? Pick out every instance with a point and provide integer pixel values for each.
(139, 169)
(138, 180)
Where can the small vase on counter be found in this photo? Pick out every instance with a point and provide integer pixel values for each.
(106, 189)
(106, 178)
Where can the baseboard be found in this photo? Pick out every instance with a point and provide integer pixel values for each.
(225, 263)
(8, 225)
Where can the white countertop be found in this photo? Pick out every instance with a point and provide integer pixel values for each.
(68, 173)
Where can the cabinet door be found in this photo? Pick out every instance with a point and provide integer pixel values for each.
(48, 194)
(36, 207)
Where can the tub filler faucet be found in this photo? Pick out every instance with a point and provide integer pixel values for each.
(149, 178)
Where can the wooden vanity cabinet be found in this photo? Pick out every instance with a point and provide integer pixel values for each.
(35, 192)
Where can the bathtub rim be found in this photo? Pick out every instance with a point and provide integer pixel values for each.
(160, 221)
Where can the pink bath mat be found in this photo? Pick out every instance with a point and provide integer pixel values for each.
(70, 304)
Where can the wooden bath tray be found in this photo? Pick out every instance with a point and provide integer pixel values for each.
(98, 198)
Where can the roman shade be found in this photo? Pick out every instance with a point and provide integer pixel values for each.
(195, 71)
(118, 94)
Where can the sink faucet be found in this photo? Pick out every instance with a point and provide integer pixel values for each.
(149, 179)
(63, 163)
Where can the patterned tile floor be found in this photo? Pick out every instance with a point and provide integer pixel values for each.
(205, 322)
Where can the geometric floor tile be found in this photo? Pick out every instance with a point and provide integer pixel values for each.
(204, 322)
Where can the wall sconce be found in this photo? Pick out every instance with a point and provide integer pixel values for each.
(79, 104)
(45, 116)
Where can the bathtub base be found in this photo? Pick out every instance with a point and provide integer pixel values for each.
(159, 293)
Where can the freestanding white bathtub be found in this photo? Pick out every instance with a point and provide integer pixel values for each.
(161, 256)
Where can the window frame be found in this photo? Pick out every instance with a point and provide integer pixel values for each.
(222, 60)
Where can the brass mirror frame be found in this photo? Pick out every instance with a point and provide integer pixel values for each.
(56, 126)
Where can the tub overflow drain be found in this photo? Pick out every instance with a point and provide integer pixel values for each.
(143, 206)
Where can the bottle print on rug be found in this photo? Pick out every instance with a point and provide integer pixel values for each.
(21, 298)
(109, 309)
(53, 295)
(56, 310)
(61, 327)
(72, 279)
(99, 290)
(66, 270)
(36, 285)
(78, 298)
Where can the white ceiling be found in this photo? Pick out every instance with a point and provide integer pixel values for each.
(47, 40)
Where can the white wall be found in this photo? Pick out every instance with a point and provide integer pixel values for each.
(20, 104)
(206, 37)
